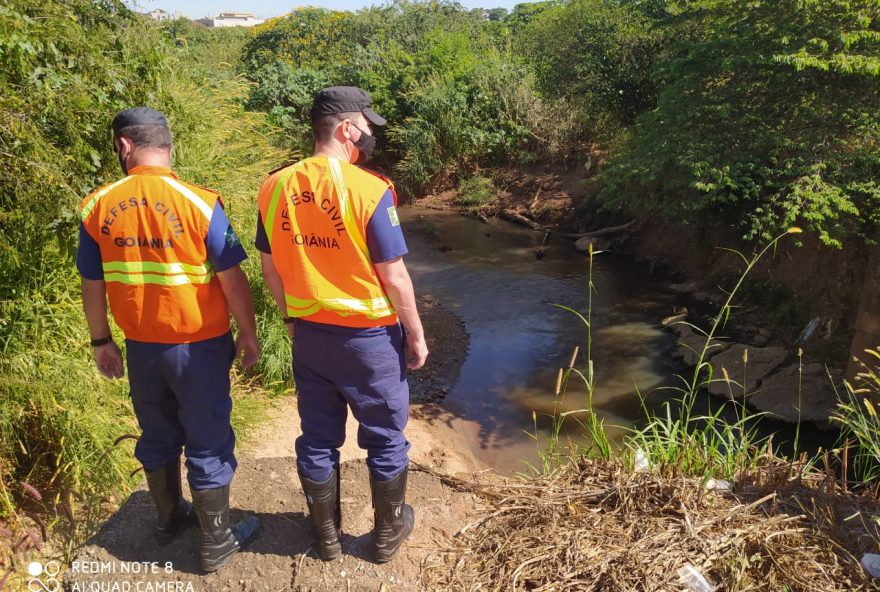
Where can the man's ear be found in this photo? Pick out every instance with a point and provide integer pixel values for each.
(345, 129)
(123, 146)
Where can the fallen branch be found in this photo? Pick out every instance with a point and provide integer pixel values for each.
(529, 223)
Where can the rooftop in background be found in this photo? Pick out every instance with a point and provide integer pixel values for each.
(231, 19)
(157, 14)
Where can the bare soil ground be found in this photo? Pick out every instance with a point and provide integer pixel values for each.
(266, 485)
(282, 557)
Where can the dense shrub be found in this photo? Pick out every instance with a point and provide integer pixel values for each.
(454, 95)
(600, 56)
(769, 119)
(475, 191)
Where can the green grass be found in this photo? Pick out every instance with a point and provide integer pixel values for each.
(599, 444)
(674, 438)
(857, 416)
(59, 420)
(475, 191)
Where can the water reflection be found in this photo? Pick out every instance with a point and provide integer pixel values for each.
(490, 275)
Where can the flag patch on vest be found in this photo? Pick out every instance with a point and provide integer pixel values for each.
(392, 214)
(231, 238)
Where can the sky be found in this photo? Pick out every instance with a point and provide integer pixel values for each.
(268, 8)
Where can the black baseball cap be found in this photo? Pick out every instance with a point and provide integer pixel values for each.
(345, 99)
(137, 116)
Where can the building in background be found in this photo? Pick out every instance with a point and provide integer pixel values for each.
(160, 15)
(231, 19)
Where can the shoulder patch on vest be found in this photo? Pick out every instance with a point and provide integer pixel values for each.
(392, 215)
(231, 238)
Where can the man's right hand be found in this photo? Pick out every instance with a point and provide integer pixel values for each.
(416, 351)
(109, 360)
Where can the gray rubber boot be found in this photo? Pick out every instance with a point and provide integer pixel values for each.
(394, 519)
(220, 540)
(175, 513)
(324, 508)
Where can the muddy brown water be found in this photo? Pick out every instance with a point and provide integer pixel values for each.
(492, 277)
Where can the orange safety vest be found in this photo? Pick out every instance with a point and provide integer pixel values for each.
(151, 229)
(315, 214)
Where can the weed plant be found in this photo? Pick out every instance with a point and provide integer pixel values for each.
(857, 415)
(475, 191)
(676, 437)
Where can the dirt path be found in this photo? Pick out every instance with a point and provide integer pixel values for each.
(281, 558)
(266, 485)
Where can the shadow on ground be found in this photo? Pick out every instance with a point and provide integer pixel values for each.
(123, 555)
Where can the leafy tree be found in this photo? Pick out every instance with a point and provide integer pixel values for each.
(770, 119)
(523, 13)
(65, 69)
(454, 96)
(307, 37)
(496, 14)
(597, 54)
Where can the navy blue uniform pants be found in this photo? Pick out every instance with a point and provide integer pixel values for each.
(181, 399)
(340, 367)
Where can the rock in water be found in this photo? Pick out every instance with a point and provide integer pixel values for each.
(599, 244)
(745, 372)
(779, 395)
(691, 344)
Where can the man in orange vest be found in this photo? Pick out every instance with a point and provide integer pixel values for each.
(331, 249)
(164, 254)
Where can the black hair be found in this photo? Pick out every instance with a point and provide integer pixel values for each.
(324, 125)
(147, 136)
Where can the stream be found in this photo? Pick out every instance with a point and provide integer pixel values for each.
(503, 284)
(491, 276)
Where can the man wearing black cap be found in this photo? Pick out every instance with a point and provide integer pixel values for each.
(164, 254)
(331, 249)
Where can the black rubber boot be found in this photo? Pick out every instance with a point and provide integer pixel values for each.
(324, 507)
(219, 539)
(394, 518)
(175, 513)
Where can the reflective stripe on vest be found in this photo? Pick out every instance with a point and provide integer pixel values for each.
(374, 308)
(197, 201)
(163, 274)
(341, 303)
(87, 209)
(345, 208)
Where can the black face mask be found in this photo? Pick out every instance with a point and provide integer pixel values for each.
(365, 145)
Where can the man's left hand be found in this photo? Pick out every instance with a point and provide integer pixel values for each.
(247, 347)
(109, 360)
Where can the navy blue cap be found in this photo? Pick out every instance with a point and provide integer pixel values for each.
(345, 99)
(138, 116)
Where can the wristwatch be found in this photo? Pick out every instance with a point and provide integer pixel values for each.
(102, 341)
